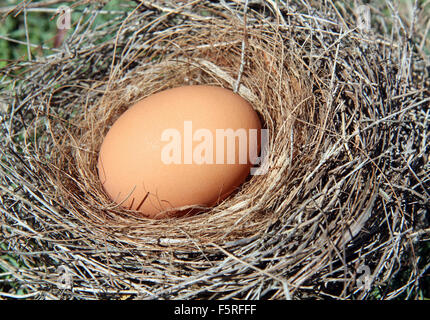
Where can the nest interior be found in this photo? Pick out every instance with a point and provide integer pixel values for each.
(347, 180)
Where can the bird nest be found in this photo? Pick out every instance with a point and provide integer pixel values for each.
(345, 186)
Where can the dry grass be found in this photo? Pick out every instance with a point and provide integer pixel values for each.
(347, 188)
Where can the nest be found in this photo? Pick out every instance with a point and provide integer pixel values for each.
(346, 188)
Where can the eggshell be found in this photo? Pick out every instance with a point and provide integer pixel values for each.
(132, 162)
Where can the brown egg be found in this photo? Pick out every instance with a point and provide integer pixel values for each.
(191, 145)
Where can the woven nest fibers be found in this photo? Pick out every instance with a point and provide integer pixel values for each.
(345, 195)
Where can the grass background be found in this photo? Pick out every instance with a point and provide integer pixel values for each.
(42, 27)
(41, 31)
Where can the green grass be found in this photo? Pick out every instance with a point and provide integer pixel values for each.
(7, 282)
(42, 28)
(41, 31)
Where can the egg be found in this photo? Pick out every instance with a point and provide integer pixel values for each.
(189, 145)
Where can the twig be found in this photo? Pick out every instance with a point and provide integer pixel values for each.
(242, 55)
(27, 36)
